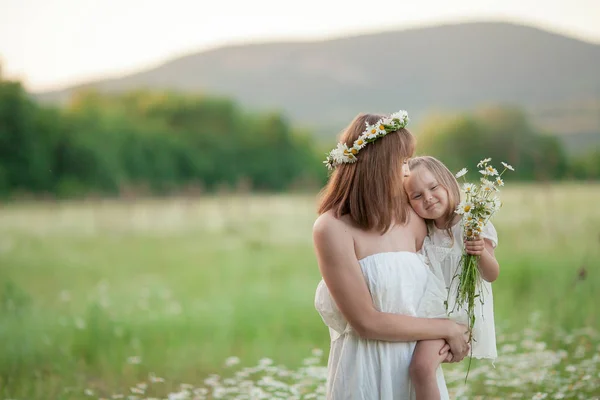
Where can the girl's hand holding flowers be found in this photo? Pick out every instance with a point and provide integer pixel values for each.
(475, 246)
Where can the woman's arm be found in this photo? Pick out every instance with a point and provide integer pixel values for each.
(341, 271)
(488, 265)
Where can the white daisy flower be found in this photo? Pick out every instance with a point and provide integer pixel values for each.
(380, 129)
(468, 188)
(464, 207)
(471, 220)
(401, 115)
(359, 143)
(484, 172)
(488, 187)
(491, 170)
(483, 162)
(460, 173)
(472, 232)
(507, 166)
(496, 203)
(387, 121)
(485, 182)
(499, 181)
(371, 132)
(341, 151)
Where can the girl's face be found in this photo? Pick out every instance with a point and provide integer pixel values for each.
(427, 197)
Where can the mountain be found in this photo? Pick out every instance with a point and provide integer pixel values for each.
(325, 83)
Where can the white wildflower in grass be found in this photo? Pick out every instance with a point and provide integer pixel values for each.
(317, 352)
(526, 368)
(499, 181)
(179, 396)
(155, 379)
(134, 360)
(88, 392)
(263, 362)
(462, 172)
(231, 361)
(476, 209)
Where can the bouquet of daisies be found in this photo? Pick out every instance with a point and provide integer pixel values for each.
(480, 203)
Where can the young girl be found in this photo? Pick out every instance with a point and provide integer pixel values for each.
(434, 193)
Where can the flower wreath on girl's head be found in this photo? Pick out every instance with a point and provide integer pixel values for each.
(343, 154)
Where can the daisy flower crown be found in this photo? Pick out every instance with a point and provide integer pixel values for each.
(343, 154)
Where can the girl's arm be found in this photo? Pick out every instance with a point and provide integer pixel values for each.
(334, 246)
(488, 265)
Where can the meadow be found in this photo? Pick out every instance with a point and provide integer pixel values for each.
(212, 297)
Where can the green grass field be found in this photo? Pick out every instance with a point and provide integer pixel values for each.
(112, 299)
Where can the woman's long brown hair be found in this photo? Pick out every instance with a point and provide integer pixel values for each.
(370, 191)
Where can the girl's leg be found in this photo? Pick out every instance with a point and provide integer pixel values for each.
(423, 366)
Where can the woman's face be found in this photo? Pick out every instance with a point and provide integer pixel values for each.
(427, 197)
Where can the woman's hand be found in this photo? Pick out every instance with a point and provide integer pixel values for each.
(475, 247)
(458, 341)
(446, 355)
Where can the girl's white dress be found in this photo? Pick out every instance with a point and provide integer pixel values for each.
(363, 369)
(444, 253)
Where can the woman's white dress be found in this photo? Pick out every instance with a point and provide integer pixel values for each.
(399, 283)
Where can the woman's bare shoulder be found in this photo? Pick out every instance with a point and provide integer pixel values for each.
(328, 223)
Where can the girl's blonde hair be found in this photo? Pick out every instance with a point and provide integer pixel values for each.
(371, 191)
(445, 178)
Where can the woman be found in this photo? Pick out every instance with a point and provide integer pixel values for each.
(366, 238)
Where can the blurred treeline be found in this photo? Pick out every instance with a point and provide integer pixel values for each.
(505, 134)
(146, 142)
(149, 142)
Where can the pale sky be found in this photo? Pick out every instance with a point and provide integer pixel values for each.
(53, 43)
